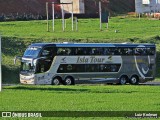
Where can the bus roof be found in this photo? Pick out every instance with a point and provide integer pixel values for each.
(92, 45)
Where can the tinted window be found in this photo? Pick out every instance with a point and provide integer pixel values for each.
(126, 51)
(105, 51)
(144, 51)
(48, 52)
(68, 68)
(64, 51)
(95, 51)
(32, 52)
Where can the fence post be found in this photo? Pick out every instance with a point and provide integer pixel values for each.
(100, 15)
(53, 16)
(47, 16)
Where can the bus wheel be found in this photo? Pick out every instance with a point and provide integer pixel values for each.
(123, 80)
(69, 81)
(56, 81)
(134, 80)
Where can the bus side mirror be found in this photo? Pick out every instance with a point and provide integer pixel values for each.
(17, 58)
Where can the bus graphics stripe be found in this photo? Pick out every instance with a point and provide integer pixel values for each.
(143, 70)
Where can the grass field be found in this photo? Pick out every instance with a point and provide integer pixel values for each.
(80, 98)
(88, 29)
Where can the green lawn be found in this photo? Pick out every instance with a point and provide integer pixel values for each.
(80, 98)
(128, 29)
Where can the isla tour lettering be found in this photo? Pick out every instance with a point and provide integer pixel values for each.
(90, 60)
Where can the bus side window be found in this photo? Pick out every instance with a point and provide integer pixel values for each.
(153, 51)
(98, 51)
(60, 51)
(45, 53)
(64, 51)
(117, 51)
(129, 51)
(140, 51)
(126, 51)
(48, 52)
(144, 51)
(92, 51)
(150, 51)
(136, 51)
(110, 51)
(106, 51)
(79, 51)
(68, 51)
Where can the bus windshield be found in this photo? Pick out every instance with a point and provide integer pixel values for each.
(32, 52)
(26, 66)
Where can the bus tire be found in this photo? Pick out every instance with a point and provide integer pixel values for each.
(56, 81)
(123, 80)
(69, 81)
(134, 80)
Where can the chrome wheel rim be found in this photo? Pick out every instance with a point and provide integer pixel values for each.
(68, 81)
(56, 81)
(133, 80)
(123, 81)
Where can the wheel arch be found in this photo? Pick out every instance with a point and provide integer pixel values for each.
(134, 75)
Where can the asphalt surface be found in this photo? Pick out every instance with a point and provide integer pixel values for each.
(152, 83)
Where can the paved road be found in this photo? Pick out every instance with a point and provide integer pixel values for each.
(151, 83)
(155, 83)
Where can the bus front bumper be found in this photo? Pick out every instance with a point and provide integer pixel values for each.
(27, 79)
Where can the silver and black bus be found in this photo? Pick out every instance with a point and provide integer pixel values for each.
(68, 63)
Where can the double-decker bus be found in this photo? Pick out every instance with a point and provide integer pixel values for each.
(68, 63)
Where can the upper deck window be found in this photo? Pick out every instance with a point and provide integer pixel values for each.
(124, 51)
(48, 52)
(64, 51)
